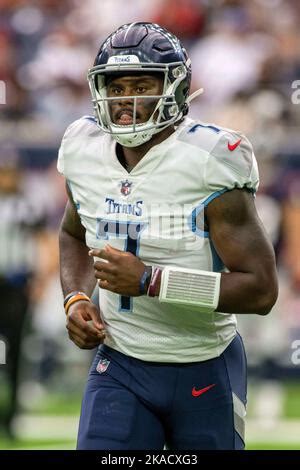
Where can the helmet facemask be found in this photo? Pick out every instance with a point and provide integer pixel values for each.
(167, 110)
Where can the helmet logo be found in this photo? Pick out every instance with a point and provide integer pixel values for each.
(123, 59)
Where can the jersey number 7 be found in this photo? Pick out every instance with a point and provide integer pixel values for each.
(130, 232)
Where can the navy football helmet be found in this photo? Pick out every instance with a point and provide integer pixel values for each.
(147, 48)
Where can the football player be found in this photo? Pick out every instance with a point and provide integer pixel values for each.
(161, 215)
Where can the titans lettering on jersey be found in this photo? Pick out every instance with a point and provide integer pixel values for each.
(160, 220)
(115, 207)
(157, 213)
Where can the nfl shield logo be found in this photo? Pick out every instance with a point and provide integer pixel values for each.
(125, 187)
(102, 365)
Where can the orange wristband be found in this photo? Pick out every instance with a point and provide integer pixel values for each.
(75, 298)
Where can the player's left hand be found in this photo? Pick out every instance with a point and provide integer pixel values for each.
(120, 273)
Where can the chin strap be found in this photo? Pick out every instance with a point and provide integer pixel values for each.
(194, 95)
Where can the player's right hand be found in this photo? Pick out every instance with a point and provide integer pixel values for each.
(84, 325)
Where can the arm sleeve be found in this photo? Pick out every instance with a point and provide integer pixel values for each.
(231, 164)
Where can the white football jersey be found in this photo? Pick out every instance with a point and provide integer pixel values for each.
(157, 212)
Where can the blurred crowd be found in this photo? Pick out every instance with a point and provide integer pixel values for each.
(245, 55)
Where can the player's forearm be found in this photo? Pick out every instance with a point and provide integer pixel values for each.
(76, 267)
(237, 292)
(247, 293)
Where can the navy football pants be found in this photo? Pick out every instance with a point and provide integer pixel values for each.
(130, 404)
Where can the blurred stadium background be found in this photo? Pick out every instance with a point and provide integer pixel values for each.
(246, 55)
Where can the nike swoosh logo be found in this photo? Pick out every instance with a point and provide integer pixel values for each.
(232, 147)
(197, 393)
